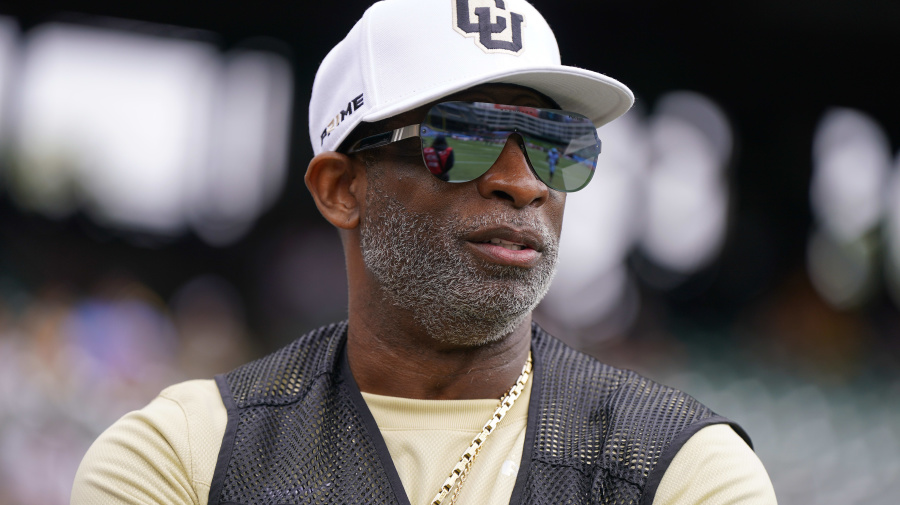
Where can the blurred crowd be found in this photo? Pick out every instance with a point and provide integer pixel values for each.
(823, 444)
(72, 363)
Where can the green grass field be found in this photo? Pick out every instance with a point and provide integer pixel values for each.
(473, 160)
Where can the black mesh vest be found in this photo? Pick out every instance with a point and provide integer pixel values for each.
(299, 431)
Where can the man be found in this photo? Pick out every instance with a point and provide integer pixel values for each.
(438, 388)
(439, 157)
(552, 158)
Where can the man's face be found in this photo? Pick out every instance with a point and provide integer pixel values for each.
(470, 260)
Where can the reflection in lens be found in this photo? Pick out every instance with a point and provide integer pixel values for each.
(562, 147)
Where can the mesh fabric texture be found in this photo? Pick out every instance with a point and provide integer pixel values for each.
(299, 432)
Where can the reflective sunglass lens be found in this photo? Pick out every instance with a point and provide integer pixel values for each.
(462, 140)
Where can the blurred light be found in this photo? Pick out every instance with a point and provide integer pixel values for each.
(851, 158)
(849, 193)
(114, 120)
(9, 47)
(687, 194)
(149, 133)
(251, 135)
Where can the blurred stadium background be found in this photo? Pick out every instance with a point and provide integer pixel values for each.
(741, 239)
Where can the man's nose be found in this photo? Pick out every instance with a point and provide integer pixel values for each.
(510, 178)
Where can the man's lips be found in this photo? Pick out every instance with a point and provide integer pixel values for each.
(528, 238)
(507, 246)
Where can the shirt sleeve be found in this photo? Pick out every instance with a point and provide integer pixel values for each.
(715, 467)
(162, 454)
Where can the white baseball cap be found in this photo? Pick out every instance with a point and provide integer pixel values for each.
(406, 53)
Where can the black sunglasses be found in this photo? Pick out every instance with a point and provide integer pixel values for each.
(461, 140)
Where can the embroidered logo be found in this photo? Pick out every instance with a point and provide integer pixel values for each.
(499, 34)
(352, 106)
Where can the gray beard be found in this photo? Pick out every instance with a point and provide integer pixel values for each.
(422, 267)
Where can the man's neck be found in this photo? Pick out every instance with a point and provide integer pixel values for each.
(395, 361)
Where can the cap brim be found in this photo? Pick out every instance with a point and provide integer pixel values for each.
(595, 95)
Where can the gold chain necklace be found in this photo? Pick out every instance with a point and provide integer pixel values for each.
(461, 470)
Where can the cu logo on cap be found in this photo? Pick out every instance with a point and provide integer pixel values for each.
(501, 34)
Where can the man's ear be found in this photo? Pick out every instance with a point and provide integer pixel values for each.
(337, 184)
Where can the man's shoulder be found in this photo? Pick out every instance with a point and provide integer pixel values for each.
(614, 424)
(285, 374)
